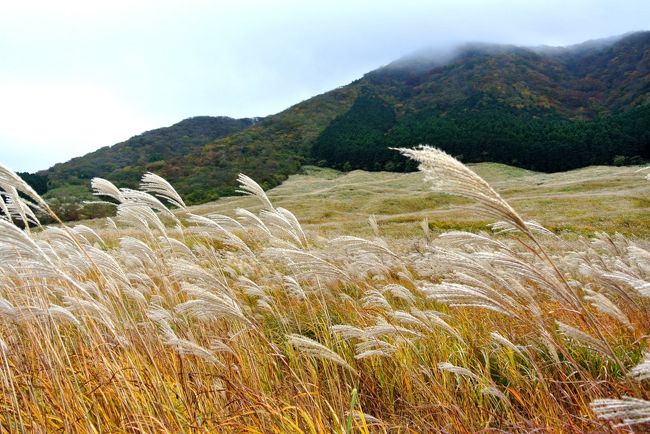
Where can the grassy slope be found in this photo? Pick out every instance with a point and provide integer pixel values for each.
(585, 200)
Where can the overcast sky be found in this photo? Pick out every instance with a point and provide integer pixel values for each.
(79, 75)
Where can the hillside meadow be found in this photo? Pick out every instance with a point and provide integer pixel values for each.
(578, 202)
(357, 302)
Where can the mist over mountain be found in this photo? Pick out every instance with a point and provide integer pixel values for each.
(541, 108)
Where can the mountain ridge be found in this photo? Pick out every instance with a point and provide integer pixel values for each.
(545, 109)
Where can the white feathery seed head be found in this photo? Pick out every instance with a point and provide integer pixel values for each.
(159, 186)
(251, 188)
(316, 350)
(449, 175)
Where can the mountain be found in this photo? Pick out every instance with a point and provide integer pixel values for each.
(542, 108)
(125, 162)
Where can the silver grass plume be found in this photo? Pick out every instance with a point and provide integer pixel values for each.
(459, 295)
(251, 288)
(373, 348)
(207, 306)
(225, 221)
(16, 206)
(219, 346)
(251, 188)
(61, 313)
(140, 217)
(284, 221)
(462, 238)
(374, 299)
(88, 233)
(4, 349)
(307, 264)
(192, 272)
(583, 338)
(458, 370)
(179, 248)
(162, 317)
(630, 410)
(606, 306)
(400, 292)
(317, 350)
(385, 329)
(8, 179)
(374, 226)
(4, 211)
(451, 176)
(408, 320)
(140, 250)
(248, 217)
(158, 186)
(110, 224)
(498, 338)
(104, 187)
(227, 237)
(136, 198)
(293, 288)
(20, 246)
(493, 391)
(640, 285)
(91, 309)
(185, 347)
(361, 245)
(642, 371)
(365, 417)
(639, 255)
(432, 317)
(504, 227)
(347, 331)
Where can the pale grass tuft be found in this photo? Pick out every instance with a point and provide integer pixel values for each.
(317, 350)
(631, 411)
(374, 226)
(606, 306)
(450, 176)
(185, 347)
(209, 306)
(373, 348)
(251, 188)
(458, 370)
(9, 179)
(498, 338)
(4, 348)
(104, 187)
(155, 184)
(583, 338)
(493, 391)
(642, 371)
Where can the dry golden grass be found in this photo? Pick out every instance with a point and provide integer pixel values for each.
(584, 201)
(248, 321)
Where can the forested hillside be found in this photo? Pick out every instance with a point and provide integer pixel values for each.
(540, 109)
(126, 161)
(546, 109)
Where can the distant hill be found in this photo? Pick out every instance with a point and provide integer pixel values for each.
(125, 162)
(541, 108)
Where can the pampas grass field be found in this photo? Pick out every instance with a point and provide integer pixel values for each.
(166, 320)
